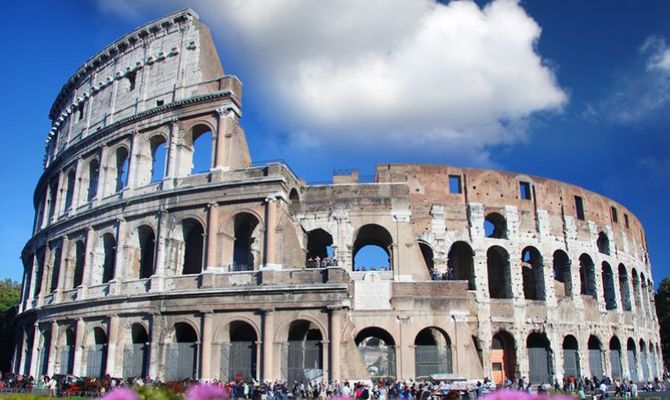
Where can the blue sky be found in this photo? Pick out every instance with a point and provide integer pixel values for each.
(572, 90)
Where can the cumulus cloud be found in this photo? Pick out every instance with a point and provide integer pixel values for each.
(395, 74)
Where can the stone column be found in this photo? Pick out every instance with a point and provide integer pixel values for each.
(102, 189)
(33, 279)
(79, 368)
(112, 340)
(157, 279)
(171, 169)
(334, 336)
(88, 263)
(23, 351)
(212, 265)
(225, 121)
(53, 349)
(206, 347)
(35, 353)
(63, 270)
(119, 257)
(134, 164)
(268, 346)
(270, 234)
(155, 348)
(76, 193)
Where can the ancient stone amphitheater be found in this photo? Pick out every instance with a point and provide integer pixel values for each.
(143, 262)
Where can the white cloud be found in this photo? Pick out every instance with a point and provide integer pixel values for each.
(658, 54)
(454, 78)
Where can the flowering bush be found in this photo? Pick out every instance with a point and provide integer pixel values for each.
(121, 394)
(206, 392)
(516, 395)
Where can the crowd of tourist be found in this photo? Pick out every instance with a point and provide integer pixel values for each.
(436, 275)
(318, 262)
(68, 385)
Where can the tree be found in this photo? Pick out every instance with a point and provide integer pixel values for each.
(10, 292)
(662, 299)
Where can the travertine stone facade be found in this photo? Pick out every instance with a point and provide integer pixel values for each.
(141, 264)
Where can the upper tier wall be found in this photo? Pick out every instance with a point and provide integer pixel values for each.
(164, 61)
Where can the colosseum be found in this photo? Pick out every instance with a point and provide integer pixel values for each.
(142, 262)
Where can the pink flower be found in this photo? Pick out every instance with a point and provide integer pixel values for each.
(517, 395)
(206, 392)
(121, 394)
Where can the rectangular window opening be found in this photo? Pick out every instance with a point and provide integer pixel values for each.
(615, 216)
(455, 184)
(80, 111)
(131, 80)
(159, 103)
(625, 220)
(579, 207)
(524, 190)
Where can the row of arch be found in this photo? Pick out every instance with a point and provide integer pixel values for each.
(240, 352)
(136, 163)
(504, 364)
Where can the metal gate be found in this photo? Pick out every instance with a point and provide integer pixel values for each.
(135, 360)
(615, 361)
(66, 360)
(596, 362)
(44, 360)
(632, 365)
(570, 362)
(645, 366)
(238, 360)
(432, 360)
(96, 361)
(539, 363)
(379, 360)
(302, 360)
(181, 361)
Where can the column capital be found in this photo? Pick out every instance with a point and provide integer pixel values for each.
(229, 111)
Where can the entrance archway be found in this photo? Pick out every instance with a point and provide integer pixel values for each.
(182, 353)
(595, 357)
(503, 357)
(571, 357)
(377, 349)
(432, 353)
(136, 353)
(238, 357)
(539, 358)
(303, 353)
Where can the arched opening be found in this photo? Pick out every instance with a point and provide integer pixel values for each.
(246, 249)
(239, 356)
(644, 294)
(460, 261)
(532, 270)
(372, 249)
(652, 361)
(182, 353)
(41, 255)
(608, 286)
(562, 275)
(136, 353)
(294, 201)
(79, 262)
(624, 287)
(97, 353)
(44, 353)
(319, 249)
(304, 352)
(377, 350)
(158, 157)
(201, 149)
(636, 290)
(595, 357)
(571, 357)
(539, 358)
(109, 257)
(644, 361)
(427, 254)
(93, 178)
(631, 353)
(193, 246)
(29, 337)
(495, 226)
(615, 358)
(55, 268)
(69, 194)
(503, 357)
(67, 353)
(432, 353)
(497, 263)
(603, 243)
(147, 243)
(587, 275)
(122, 162)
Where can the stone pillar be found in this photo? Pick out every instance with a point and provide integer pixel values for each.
(460, 358)
(33, 278)
(102, 189)
(270, 234)
(134, 164)
(112, 340)
(79, 368)
(334, 335)
(76, 193)
(119, 257)
(206, 347)
(171, 169)
(23, 350)
(35, 354)
(62, 273)
(53, 349)
(268, 345)
(157, 279)
(88, 263)
(212, 264)
(155, 348)
(225, 122)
